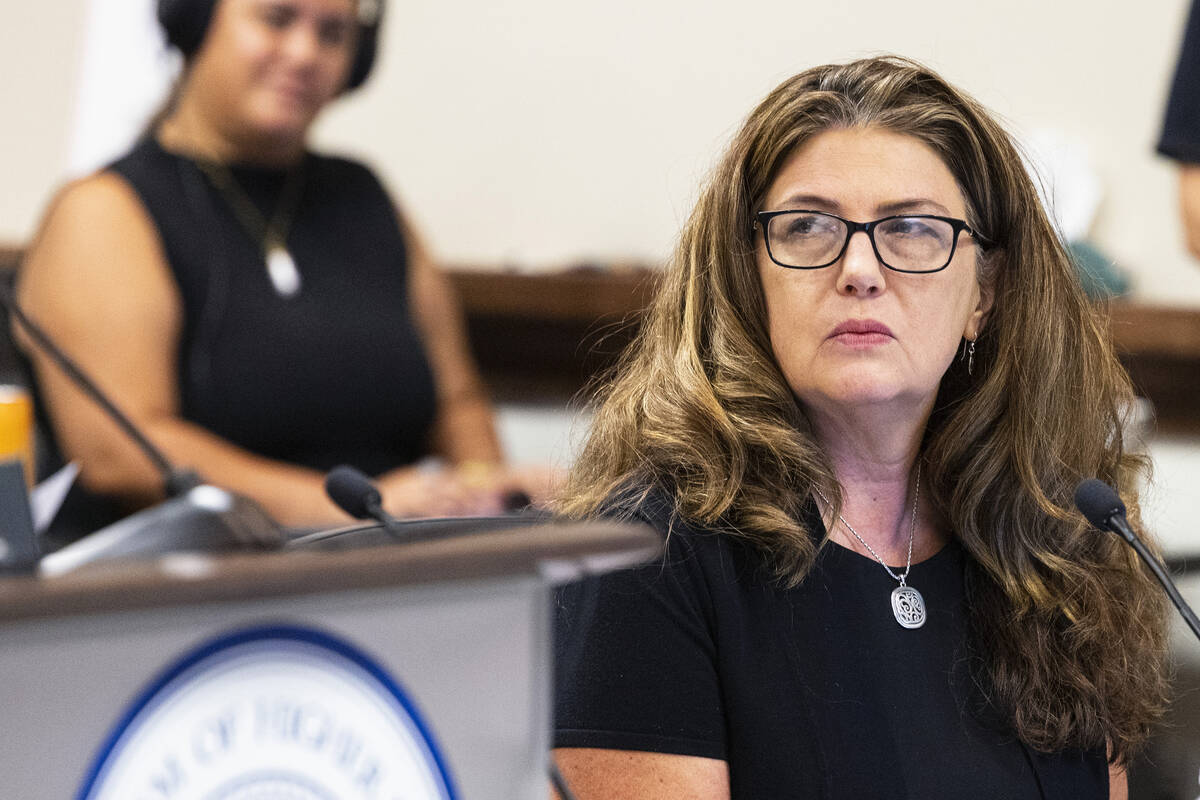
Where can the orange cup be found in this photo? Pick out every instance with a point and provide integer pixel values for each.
(16, 428)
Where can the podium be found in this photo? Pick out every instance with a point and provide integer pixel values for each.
(93, 665)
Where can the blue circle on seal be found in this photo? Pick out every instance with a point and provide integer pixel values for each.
(220, 651)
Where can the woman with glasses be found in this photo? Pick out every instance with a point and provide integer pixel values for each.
(858, 410)
(260, 310)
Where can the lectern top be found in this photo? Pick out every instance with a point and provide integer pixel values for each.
(555, 550)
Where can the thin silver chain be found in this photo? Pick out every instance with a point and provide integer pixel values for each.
(912, 531)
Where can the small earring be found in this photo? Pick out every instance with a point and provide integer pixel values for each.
(971, 357)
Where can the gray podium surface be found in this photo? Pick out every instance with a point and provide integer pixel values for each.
(462, 624)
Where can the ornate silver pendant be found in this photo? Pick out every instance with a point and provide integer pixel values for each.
(281, 268)
(908, 606)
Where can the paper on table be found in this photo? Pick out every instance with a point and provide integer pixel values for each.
(47, 497)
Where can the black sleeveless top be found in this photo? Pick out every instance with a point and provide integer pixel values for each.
(809, 692)
(335, 374)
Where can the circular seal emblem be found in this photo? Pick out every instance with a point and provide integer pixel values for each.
(272, 713)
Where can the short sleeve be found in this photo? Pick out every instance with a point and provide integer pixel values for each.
(636, 661)
(1180, 138)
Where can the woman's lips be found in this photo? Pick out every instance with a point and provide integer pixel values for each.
(862, 333)
(300, 93)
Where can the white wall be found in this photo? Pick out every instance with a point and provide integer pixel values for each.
(1171, 506)
(125, 71)
(539, 132)
(39, 45)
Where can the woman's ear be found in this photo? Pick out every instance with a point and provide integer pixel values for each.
(978, 318)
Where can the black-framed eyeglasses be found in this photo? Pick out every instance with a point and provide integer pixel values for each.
(915, 243)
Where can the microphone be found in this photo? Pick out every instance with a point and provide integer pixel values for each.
(176, 482)
(355, 494)
(195, 516)
(1102, 506)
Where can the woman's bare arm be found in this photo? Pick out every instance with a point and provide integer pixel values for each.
(1189, 206)
(464, 429)
(594, 774)
(1118, 783)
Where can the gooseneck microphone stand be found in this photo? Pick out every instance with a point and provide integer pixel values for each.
(1103, 507)
(195, 516)
(175, 481)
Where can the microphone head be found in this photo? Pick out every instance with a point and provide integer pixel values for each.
(1099, 502)
(353, 492)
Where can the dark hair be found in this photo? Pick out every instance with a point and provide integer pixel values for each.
(186, 22)
(1069, 632)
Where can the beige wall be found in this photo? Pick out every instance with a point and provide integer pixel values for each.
(538, 132)
(39, 65)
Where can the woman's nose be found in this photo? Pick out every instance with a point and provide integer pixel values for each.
(303, 44)
(860, 271)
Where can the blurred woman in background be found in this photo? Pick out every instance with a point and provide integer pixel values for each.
(261, 311)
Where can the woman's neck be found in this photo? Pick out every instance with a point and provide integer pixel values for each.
(189, 131)
(874, 459)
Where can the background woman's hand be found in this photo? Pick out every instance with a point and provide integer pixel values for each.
(534, 485)
(472, 488)
(429, 490)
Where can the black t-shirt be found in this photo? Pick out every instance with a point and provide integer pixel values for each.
(811, 692)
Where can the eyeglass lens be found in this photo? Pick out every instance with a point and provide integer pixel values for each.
(812, 239)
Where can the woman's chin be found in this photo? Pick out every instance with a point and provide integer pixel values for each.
(282, 122)
(864, 392)
(284, 128)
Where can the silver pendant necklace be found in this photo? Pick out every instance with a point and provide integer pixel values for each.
(271, 234)
(908, 606)
(281, 269)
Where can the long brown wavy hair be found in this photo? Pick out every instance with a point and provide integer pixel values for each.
(1068, 632)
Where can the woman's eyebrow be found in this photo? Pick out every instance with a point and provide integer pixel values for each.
(915, 204)
(815, 202)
